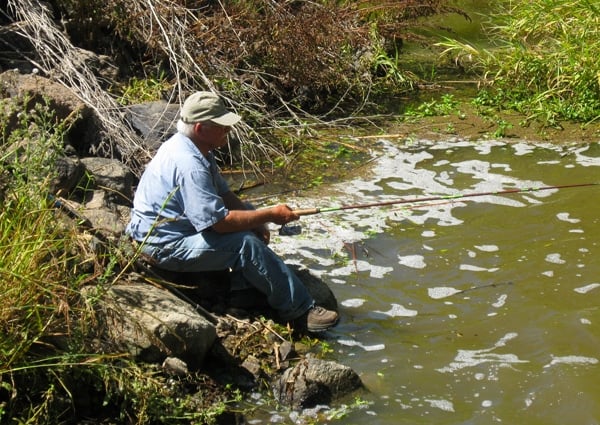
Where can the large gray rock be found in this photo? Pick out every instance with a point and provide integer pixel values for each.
(112, 176)
(313, 381)
(154, 121)
(103, 215)
(155, 324)
(69, 172)
(27, 90)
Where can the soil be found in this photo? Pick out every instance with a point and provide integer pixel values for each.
(468, 123)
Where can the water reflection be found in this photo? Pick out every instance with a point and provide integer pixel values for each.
(476, 310)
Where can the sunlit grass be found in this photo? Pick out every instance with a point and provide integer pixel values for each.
(546, 63)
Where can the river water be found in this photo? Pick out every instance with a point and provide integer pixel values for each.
(477, 310)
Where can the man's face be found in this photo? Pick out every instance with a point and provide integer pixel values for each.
(211, 135)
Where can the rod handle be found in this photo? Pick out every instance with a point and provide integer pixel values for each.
(307, 211)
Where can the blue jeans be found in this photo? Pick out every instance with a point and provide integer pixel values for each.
(250, 261)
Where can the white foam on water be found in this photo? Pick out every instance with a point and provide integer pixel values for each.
(566, 217)
(376, 272)
(587, 288)
(585, 321)
(501, 301)
(529, 399)
(353, 302)
(486, 403)
(428, 234)
(576, 231)
(504, 167)
(440, 292)
(472, 268)
(472, 358)
(484, 149)
(548, 273)
(398, 310)
(532, 200)
(354, 343)
(367, 186)
(572, 360)
(445, 178)
(555, 258)
(412, 261)
(487, 248)
(475, 167)
(521, 148)
(584, 160)
(399, 186)
(445, 405)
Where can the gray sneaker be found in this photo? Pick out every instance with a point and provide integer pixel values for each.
(318, 319)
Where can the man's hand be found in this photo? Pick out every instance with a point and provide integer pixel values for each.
(283, 214)
(239, 220)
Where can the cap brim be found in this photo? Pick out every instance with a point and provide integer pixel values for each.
(227, 119)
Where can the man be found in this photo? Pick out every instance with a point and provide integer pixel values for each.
(188, 220)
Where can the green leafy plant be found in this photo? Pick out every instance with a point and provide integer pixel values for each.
(546, 64)
(390, 71)
(445, 106)
(147, 89)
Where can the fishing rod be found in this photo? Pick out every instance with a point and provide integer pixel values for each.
(311, 211)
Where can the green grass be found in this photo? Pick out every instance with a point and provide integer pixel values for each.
(546, 64)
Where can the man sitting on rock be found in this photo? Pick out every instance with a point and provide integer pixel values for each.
(188, 220)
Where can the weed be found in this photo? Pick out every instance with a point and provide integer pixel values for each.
(546, 64)
(390, 70)
(503, 125)
(146, 89)
(450, 129)
(445, 106)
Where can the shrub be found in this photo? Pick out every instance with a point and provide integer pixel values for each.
(547, 62)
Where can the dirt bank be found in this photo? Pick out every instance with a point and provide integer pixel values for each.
(468, 123)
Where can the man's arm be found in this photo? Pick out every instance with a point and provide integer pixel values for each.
(240, 218)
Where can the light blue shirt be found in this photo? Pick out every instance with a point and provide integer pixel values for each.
(178, 195)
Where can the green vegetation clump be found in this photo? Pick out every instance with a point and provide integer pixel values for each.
(546, 63)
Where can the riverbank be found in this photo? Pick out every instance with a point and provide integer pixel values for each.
(471, 123)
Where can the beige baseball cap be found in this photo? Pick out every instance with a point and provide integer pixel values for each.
(207, 106)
